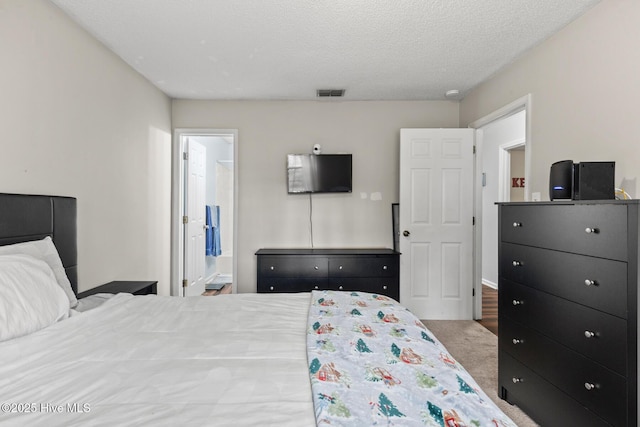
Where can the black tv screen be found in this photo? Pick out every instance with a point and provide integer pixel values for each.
(319, 173)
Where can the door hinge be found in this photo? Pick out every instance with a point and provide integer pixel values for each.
(473, 292)
(474, 149)
(185, 219)
(185, 156)
(184, 283)
(473, 221)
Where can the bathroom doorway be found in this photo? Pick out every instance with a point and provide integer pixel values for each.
(220, 205)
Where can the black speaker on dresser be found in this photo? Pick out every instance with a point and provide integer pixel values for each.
(561, 180)
(594, 181)
(582, 181)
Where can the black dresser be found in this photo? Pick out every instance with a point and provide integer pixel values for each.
(568, 298)
(303, 270)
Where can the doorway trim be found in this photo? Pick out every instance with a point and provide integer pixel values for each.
(504, 169)
(177, 196)
(523, 103)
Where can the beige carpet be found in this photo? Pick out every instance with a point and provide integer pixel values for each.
(476, 348)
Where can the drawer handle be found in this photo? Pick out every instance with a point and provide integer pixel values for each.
(517, 341)
(271, 288)
(517, 224)
(589, 334)
(316, 287)
(384, 287)
(340, 268)
(272, 268)
(340, 287)
(517, 302)
(589, 282)
(589, 386)
(516, 263)
(316, 267)
(590, 230)
(517, 380)
(384, 267)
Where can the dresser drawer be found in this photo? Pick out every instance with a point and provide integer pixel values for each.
(597, 335)
(598, 388)
(547, 405)
(363, 266)
(375, 285)
(568, 276)
(596, 230)
(292, 266)
(289, 284)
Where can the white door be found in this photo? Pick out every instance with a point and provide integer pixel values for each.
(194, 212)
(436, 222)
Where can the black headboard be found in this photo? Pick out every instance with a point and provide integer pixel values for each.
(26, 217)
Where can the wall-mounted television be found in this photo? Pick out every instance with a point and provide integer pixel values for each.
(318, 173)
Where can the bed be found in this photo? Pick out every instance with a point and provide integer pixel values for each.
(322, 358)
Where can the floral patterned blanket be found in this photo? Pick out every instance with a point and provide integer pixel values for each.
(372, 362)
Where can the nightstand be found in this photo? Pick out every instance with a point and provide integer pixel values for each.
(128, 286)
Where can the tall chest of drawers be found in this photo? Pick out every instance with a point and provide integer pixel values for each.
(303, 270)
(568, 298)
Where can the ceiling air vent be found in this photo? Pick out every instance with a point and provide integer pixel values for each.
(329, 93)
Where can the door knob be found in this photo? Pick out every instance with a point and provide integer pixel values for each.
(406, 233)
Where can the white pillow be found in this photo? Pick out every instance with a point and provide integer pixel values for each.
(30, 298)
(45, 250)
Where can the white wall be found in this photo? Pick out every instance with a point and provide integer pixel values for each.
(495, 134)
(269, 130)
(585, 88)
(77, 121)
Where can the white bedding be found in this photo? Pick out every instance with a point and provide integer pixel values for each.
(224, 360)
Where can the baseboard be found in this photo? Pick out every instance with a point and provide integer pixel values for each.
(489, 283)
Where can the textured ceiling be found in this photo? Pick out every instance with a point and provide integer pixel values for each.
(287, 49)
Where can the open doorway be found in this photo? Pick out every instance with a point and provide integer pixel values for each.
(499, 138)
(511, 173)
(503, 146)
(218, 204)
